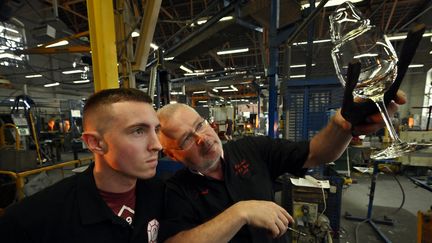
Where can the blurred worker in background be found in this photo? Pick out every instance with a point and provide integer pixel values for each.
(229, 129)
(51, 124)
(226, 192)
(115, 199)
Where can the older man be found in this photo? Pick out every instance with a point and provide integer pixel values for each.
(226, 191)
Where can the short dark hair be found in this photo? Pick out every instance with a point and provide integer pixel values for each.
(110, 96)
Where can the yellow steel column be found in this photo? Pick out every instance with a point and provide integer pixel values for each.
(103, 44)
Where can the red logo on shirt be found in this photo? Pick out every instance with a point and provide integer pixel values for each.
(242, 168)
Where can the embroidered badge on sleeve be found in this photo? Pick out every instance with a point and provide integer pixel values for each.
(152, 231)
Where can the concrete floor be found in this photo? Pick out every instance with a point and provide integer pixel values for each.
(388, 198)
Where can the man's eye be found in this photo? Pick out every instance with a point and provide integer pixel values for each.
(199, 127)
(139, 131)
(186, 140)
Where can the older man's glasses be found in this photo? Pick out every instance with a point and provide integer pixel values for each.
(190, 138)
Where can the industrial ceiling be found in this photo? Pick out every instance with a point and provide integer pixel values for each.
(188, 36)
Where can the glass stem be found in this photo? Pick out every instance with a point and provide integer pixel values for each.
(383, 110)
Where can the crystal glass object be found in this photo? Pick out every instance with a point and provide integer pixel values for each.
(356, 40)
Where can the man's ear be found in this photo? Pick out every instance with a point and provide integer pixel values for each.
(94, 142)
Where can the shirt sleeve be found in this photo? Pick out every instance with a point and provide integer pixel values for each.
(282, 155)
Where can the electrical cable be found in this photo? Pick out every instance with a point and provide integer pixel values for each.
(357, 228)
(324, 201)
(400, 186)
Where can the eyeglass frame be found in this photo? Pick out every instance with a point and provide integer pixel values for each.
(199, 129)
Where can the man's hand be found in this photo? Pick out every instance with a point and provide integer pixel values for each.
(264, 214)
(374, 122)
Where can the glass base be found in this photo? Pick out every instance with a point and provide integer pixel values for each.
(397, 150)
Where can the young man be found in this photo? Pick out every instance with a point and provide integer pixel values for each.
(115, 199)
(226, 192)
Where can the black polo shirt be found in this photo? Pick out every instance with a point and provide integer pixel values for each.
(250, 166)
(72, 210)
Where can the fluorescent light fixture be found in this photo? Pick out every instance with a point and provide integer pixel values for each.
(298, 76)
(202, 101)
(154, 46)
(396, 37)
(212, 80)
(81, 81)
(168, 58)
(73, 71)
(176, 93)
(222, 87)
(229, 90)
(27, 104)
(193, 74)
(33, 76)
(185, 69)
(233, 87)
(204, 70)
(199, 92)
(232, 51)
(226, 18)
(135, 34)
(315, 42)
(60, 43)
(416, 65)
(261, 85)
(215, 90)
(365, 55)
(300, 65)
(330, 3)
(257, 77)
(11, 56)
(173, 102)
(8, 29)
(402, 36)
(205, 19)
(51, 84)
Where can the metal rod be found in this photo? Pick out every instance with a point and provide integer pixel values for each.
(296, 231)
(413, 19)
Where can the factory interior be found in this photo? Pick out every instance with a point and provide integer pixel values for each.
(248, 67)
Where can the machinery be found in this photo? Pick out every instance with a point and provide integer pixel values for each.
(316, 211)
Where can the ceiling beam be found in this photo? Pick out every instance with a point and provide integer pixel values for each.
(148, 25)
